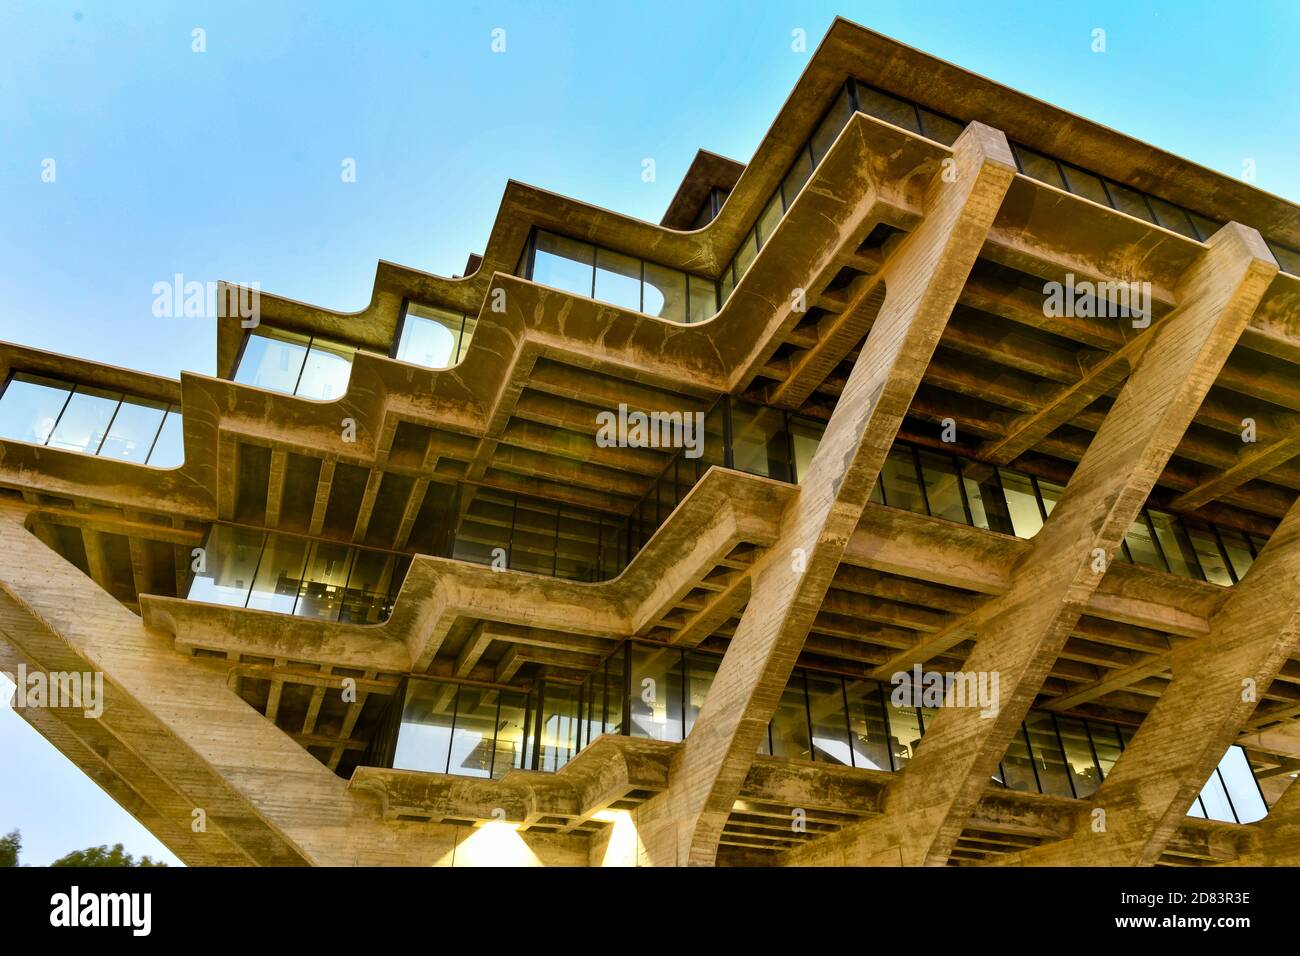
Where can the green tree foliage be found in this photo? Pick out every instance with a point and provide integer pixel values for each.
(11, 844)
(103, 856)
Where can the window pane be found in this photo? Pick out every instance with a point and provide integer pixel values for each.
(830, 726)
(1172, 217)
(1078, 754)
(1049, 493)
(578, 546)
(1207, 550)
(941, 489)
(904, 727)
(901, 486)
(272, 360)
(1175, 544)
(759, 441)
(1205, 227)
(790, 722)
(372, 583)
(805, 436)
(1084, 184)
(1234, 542)
(229, 562)
(656, 693)
(836, 119)
(665, 293)
(1287, 259)
(1049, 759)
(870, 737)
(1141, 546)
(429, 336)
(326, 372)
(745, 255)
(279, 574)
(1016, 765)
(467, 333)
(169, 448)
(564, 263)
(1040, 167)
(700, 671)
(799, 172)
(704, 298)
(1106, 743)
(325, 581)
(30, 406)
(984, 495)
(473, 732)
(888, 108)
(938, 128)
(424, 738)
(1128, 200)
(560, 720)
(768, 220)
(1022, 503)
(618, 279)
(133, 430)
(1234, 769)
(615, 693)
(1215, 800)
(85, 419)
(509, 743)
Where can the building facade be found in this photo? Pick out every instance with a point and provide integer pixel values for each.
(919, 493)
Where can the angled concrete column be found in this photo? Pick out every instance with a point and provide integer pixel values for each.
(1216, 682)
(1019, 634)
(1276, 840)
(923, 279)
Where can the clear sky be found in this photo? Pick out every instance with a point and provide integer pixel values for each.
(226, 164)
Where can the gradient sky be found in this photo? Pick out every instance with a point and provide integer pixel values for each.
(226, 164)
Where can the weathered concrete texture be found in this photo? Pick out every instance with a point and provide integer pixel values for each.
(922, 280)
(1020, 633)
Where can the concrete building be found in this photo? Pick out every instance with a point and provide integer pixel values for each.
(612, 551)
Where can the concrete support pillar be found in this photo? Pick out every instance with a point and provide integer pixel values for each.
(923, 280)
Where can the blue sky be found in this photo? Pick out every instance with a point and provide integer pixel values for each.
(226, 164)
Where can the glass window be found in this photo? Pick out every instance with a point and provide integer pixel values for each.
(1239, 783)
(1172, 217)
(509, 742)
(984, 495)
(467, 333)
(745, 255)
(665, 293)
(615, 692)
(1040, 167)
(229, 561)
(830, 725)
(700, 671)
(325, 581)
(1049, 493)
(564, 263)
(901, 485)
(869, 737)
(799, 172)
(1238, 548)
(1017, 766)
(326, 372)
(424, 737)
(1106, 745)
(656, 692)
(888, 108)
(837, 117)
(1022, 503)
(279, 574)
(767, 222)
(560, 719)
(1128, 201)
(1049, 758)
(904, 726)
(790, 722)
(169, 447)
(1208, 555)
(134, 428)
(759, 441)
(1084, 773)
(472, 735)
(1214, 798)
(85, 420)
(938, 128)
(1175, 544)
(1287, 259)
(941, 488)
(272, 360)
(373, 584)
(727, 282)
(1204, 227)
(1084, 184)
(704, 298)
(805, 436)
(578, 546)
(1142, 546)
(618, 279)
(429, 336)
(30, 406)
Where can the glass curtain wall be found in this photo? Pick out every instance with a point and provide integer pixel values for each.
(91, 420)
(301, 365)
